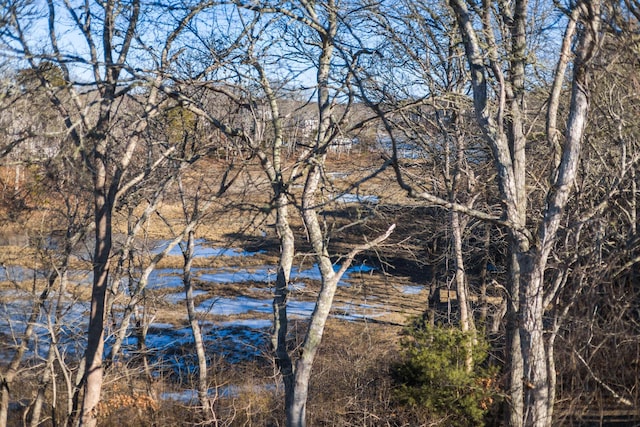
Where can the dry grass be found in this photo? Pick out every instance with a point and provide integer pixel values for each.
(351, 386)
(351, 383)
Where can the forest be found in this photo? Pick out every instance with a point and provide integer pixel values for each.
(322, 213)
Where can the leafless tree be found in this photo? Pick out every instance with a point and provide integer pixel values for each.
(65, 223)
(531, 399)
(497, 41)
(109, 144)
(596, 303)
(259, 95)
(431, 140)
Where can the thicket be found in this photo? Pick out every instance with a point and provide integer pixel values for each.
(433, 375)
(208, 126)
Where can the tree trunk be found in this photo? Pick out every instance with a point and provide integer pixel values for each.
(203, 385)
(514, 363)
(280, 320)
(4, 402)
(536, 396)
(527, 358)
(272, 166)
(323, 303)
(466, 318)
(534, 350)
(103, 204)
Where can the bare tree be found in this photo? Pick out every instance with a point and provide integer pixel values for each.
(108, 143)
(497, 40)
(321, 23)
(529, 388)
(32, 145)
(249, 52)
(432, 140)
(602, 230)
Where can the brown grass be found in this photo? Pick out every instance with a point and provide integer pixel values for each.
(351, 386)
(351, 383)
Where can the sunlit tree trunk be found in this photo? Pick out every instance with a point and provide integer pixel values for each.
(203, 385)
(530, 398)
(280, 320)
(453, 175)
(297, 412)
(103, 204)
(467, 323)
(324, 301)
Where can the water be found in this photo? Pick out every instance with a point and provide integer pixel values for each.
(357, 198)
(169, 344)
(14, 316)
(412, 290)
(203, 249)
(179, 297)
(190, 397)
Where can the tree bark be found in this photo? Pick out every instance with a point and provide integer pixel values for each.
(323, 302)
(203, 385)
(466, 318)
(103, 205)
(280, 320)
(527, 357)
(534, 348)
(514, 361)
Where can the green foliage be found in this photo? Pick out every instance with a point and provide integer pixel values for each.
(45, 73)
(180, 123)
(52, 73)
(433, 375)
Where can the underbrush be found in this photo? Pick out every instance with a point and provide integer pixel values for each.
(444, 372)
(351, 385)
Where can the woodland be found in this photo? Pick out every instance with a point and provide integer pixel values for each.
(340, 213)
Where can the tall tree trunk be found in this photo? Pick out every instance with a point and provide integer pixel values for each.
(103, 205)
(534, 355)
(203, 385)
(325, 298)
(324, 301)
(527, 356)
(273, 167)
(466, 317)
(514, 363)
(280, 320)
(534, 347)
(458, 225)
